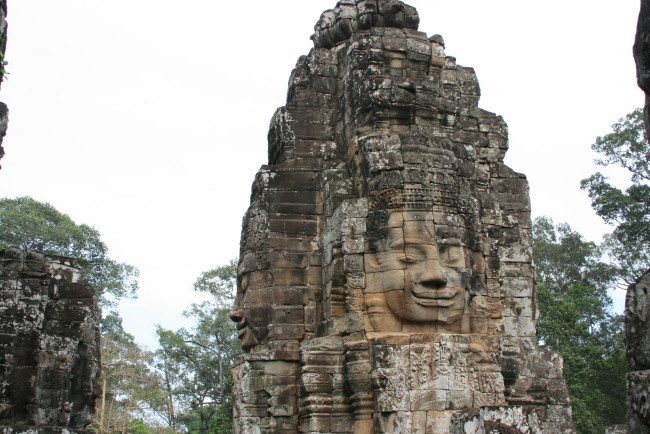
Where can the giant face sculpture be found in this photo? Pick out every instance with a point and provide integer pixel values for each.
(251, 310)
(420, 280)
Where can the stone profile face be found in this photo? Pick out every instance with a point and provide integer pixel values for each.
(385, 281)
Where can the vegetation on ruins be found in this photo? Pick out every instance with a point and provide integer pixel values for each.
(576, 321)
(28, 224)
(627, 210)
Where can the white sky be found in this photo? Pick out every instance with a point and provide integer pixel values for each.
(147, 119)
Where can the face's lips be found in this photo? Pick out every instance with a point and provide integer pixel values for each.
(445, 293)
(433, 303)
(241, 326)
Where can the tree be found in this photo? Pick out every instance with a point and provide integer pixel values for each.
(197, 362)
(31, 225)
(629, 210)
(129, 386)
(576, 321)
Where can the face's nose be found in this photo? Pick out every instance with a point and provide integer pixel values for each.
(237, 314)
(434, 275)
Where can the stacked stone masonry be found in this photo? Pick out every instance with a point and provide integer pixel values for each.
(49, 345)
(385, 282)
(637, 340)
(4, 111)
(642, 56)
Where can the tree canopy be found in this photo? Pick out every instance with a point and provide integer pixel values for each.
(28, 224)
(196, 362)
(576, 321)
(627, 210)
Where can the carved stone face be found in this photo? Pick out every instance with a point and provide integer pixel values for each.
(421, 281)
(252, 318)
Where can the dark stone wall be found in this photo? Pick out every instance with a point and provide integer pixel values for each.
(4, 111)
(642, 56)
(637, 340)
(49, 345)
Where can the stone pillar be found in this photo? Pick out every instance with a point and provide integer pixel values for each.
(386, 257)
(49, 345)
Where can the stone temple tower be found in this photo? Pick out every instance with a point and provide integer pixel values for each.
(385, 282)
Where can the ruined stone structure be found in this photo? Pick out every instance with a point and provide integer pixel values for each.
(385, 281)
(642, 56)
(4, 112)
(49, 345)
(637, 340)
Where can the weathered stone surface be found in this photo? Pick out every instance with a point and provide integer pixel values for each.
(386, 259)
(4, 111)
(637, 340)
(49, 345)
(642, 56)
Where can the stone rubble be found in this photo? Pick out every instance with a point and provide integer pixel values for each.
(385, 282)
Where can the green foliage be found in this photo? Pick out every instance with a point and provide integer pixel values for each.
(31, 225)
(196, 362)
(575, 320)
(128, 384)
(628, 210)
(219, 282)
(137, 426)
(562, 258)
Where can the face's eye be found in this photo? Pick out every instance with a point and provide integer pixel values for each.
(408, 259)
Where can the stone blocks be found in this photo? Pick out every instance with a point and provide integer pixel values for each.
(386, 264)
(49, 345)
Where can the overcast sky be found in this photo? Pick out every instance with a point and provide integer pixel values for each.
(147, 119)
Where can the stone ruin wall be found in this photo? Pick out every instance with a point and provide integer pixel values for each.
(49, 345)
(4, 112)
(642, 56)
(381, 140)
(637, 340)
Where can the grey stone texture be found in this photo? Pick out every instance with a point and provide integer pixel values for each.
(637, 340)
(385, 282)
(49, 345)
(642, 56)
(4, 111)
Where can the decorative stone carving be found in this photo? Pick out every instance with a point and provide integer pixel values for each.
(385, 281)
(637, 340)
(49, 345)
